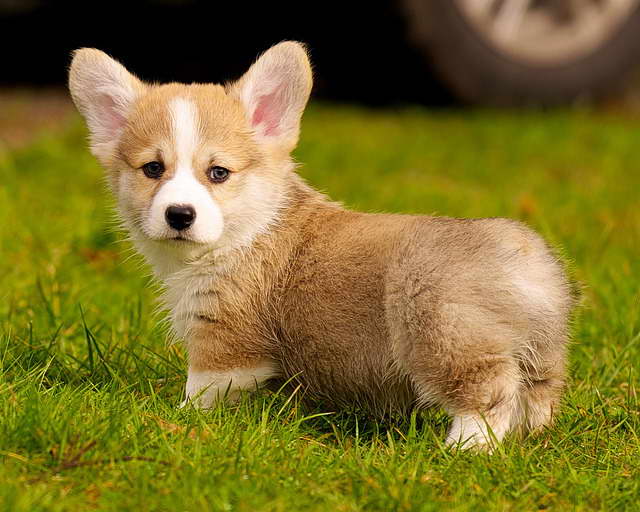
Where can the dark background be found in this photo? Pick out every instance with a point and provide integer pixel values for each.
(360, 50)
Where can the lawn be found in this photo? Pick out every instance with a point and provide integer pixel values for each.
(89, 389)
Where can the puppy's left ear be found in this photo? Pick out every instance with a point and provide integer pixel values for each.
(274, 93)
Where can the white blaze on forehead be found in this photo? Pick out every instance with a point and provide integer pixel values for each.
(184, 188)
(184, 121)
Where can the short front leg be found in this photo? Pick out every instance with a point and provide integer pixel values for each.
(205, 387)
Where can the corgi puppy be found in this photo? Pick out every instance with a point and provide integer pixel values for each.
(265, 278)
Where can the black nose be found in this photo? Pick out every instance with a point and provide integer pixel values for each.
(180, 217)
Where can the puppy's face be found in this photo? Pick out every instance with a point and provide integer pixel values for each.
(195, 166)
(188, 169)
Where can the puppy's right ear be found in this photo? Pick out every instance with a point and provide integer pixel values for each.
(104, 92)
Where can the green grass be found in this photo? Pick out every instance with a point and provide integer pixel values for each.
(88, 388)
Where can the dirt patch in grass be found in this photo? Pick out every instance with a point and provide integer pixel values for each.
(25, 113)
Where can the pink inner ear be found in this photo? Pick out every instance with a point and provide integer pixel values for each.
(269, 113)
(113, 120)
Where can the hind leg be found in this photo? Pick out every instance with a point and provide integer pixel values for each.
(462, 357)
(478, 429)
(543, 387)
(541, 400)
(481, 392)
(486, 406)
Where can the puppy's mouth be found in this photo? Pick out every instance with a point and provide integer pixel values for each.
(179, 240)
(173, 238)
(176, 239)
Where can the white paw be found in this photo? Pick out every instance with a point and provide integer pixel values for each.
(473, 432)
(205, 388)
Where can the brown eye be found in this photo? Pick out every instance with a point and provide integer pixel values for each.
(153, 170)
(218, 174)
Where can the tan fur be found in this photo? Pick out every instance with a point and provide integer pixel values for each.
(380, 311)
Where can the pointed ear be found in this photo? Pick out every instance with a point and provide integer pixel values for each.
(104, 92)
(274, 93)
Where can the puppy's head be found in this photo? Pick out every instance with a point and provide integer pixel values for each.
(200, 165)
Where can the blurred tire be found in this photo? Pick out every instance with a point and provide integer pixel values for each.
(482, 72)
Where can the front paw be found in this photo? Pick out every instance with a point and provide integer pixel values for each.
(206, 399)
(206, 387)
